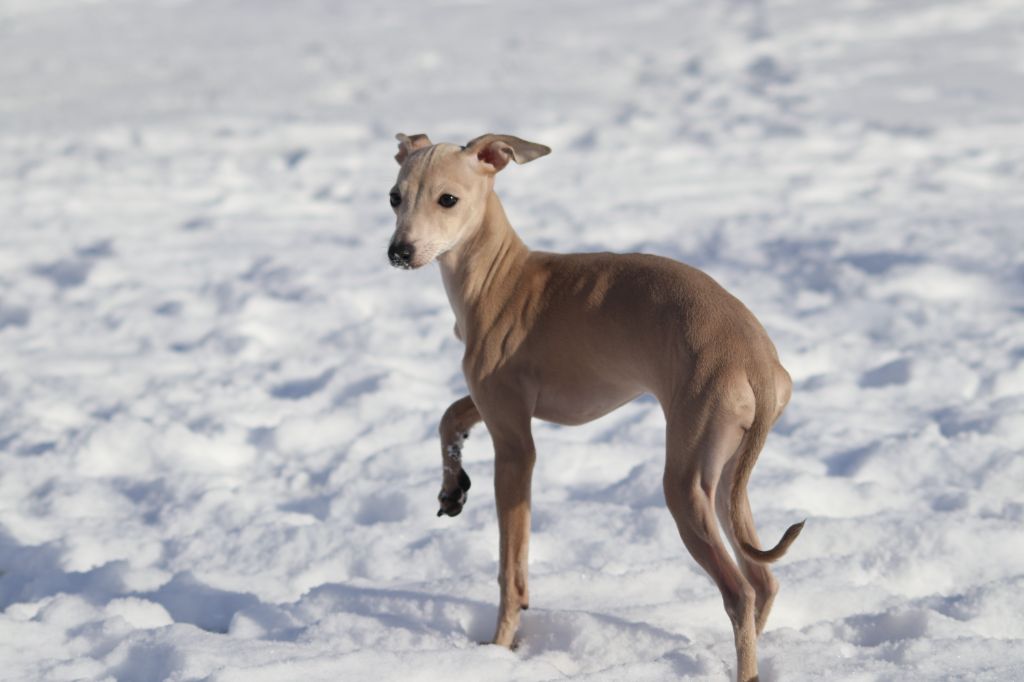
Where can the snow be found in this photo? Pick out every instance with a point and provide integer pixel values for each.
(218, 402)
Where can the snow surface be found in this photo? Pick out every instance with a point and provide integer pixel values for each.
(218, 402)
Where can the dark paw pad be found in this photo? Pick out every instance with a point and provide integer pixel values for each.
(453, 501)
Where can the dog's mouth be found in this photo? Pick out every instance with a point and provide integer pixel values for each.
(453, 501)
(405, 255)
(401, 265)
(411, 264)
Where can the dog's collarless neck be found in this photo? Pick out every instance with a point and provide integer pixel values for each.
(481, 272)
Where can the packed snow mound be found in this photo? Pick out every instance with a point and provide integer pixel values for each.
(218, 403)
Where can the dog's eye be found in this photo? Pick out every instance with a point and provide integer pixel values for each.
(396, 198)
(447, 200)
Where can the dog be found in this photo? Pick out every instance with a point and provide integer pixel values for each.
(568, 338)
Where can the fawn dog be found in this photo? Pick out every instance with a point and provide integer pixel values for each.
(568, 338)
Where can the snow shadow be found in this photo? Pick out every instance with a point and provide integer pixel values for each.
(13, 316)
(188, 600)
(31, 573)
(149, 661)
(848, 462)
(583, 635)
(297, 389)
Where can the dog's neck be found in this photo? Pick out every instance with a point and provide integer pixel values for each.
(480, 273)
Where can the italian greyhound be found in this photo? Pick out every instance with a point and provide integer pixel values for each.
(568, 338)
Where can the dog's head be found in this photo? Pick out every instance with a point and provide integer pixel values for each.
(441, 192)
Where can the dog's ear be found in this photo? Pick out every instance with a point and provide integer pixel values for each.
(407, 145)
(493, 152)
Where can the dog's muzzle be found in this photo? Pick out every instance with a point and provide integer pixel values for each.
(400, 254)
(452, 502)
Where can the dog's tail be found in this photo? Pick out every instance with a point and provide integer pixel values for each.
(753, 442)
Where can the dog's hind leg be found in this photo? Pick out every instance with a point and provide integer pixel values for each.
(699, 444)
(758, 574)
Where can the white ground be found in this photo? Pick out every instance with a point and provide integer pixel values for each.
(218, 402)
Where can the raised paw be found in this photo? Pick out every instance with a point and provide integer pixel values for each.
(453, 501)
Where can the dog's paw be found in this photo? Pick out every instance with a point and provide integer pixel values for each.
(453, 501)
(514, 646)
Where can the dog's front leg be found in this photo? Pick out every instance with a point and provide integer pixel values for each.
(514, 457)
(458, 419)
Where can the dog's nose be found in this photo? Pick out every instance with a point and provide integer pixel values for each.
(400, 254)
